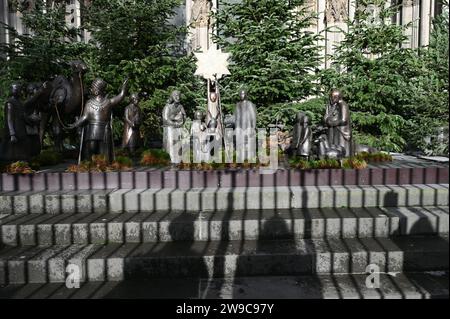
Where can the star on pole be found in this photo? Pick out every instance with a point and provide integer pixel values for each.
(212, 64)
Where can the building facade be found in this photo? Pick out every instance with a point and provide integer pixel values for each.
(418, 13)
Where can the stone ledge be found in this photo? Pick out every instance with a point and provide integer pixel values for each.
(185, 179)
(222, 199)
(117, 262)
(99, 228)
(338, 286)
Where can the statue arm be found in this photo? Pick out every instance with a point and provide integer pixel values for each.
(183, 114)
(127, 118)
(296, 137)
(254, 116)
(10, 119)
(138, 118)
(345, 115)
(119, 98)
(166, 116)
(306, 137)
(32, 100)
(81, 121)
(326, 117)
(32, 119)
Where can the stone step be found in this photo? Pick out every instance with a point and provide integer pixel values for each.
(338, 286)
(219, 259)
(398, 172)
(216, 199)
(102, 228)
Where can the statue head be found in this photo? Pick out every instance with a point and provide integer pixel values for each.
(134, 98)
(32, 88)
(300, 117)
(98, 87)
(213, 97)
(15, 89)
(243, 95)
(78, 66)
(335, 96)
(306, 120)
(213, 123)
(198, 115)
(175, 97)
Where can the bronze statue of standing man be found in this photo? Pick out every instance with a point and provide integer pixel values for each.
(133, 119)
(245, 126)
(173, 118)
(96, 121)
(337, 119)
(17, 144)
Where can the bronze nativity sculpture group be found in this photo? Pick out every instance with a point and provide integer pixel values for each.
(50, 102)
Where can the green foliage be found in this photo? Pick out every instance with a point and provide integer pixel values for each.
(301, 163)
(431, 110)
(353, 163)
(286, 113)
(155, 158)
(42, 51)
(130, 38)
(328, 163)
(135, 39)
(273, 57)
(19, 167)
(377, 75)
(99, 163)
(124, 161)
(374, 157)
(46, 158)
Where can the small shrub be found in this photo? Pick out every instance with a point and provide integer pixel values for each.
(19, 167)
(353, 163)
(46, 158)
(374, 157)
(99, 163)
(155, 157)
(347, 163)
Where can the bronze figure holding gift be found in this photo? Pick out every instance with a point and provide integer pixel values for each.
(337, 119)
(96, 121)
(173, 117)
(133, 119)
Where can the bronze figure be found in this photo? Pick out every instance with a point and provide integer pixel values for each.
(337, 119)
(133, 119)
(245, 126)
(326, 150)
(96, 121)
(198, 129)
(34, 91)
(302, 137)
(16, 143)
(66, 97)
(173, 117)
(245, 115)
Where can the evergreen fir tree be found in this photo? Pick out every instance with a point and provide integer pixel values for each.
(432, 100)
(377, 75)
(48, 42)
(273, 55)
(42, 51)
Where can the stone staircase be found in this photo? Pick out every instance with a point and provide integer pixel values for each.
(242, 242)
